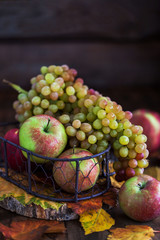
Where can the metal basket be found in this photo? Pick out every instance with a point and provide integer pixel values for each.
(37, 178)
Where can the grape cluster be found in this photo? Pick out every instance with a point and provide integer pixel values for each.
(92, 121)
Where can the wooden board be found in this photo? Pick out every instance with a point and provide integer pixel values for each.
(36, 211)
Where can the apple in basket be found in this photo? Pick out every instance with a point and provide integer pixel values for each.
(43, 135)
(64, 172)
(15, 158)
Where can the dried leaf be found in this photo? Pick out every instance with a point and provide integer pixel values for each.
(8, 189)
(31, 229)
(110, 198)
(86, 205)
(138, 232)
(153, 172)
(96, 221)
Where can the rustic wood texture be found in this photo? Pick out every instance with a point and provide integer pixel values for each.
(36, 211)
(102, 65)
(116, 20)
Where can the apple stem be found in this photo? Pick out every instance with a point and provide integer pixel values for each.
(46, 128)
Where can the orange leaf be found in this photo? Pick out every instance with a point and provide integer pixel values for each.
(109, 198)
(22, 230)
(85, 205)
(138, 232)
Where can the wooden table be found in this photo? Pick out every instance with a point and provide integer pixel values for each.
(74, 229)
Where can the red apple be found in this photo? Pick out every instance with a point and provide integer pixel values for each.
(139, 198)
(150, 121)
(64, 172)
(43, 135)
(15, 158)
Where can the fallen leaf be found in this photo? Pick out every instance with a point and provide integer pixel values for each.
(131, 232)
(110, 198)
(8, 189)
(31, 229)
(96, 221)
(153, 172)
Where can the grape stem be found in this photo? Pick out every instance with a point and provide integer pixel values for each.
(15, 86)
(74, 149)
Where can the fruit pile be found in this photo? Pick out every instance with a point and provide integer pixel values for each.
(91, 121)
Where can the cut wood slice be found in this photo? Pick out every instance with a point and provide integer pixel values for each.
(36, 211)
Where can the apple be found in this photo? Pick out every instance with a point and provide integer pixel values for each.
(64, 172)
(150, 121)
(43, 135)
(139, 198)
(15, 158)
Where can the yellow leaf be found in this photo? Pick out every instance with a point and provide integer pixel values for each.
(132, 232)
(96, 221)
(153, 172)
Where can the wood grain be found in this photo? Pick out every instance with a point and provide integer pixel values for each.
(116, 20)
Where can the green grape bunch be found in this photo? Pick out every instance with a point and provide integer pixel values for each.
(91, 120)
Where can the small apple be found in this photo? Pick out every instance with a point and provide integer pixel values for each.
(64, 172)
(15, 158)
(150, 121)
(139, 198)
(43, 135)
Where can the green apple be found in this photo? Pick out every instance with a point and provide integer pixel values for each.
(43, 135)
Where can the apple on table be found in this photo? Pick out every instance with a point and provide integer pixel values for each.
(64, 172)
(15, 158)
(139, 198)
(43, 135)
(150, 121)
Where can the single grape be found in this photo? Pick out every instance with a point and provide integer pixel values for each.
(92, 139)
(71, 131)
(64, 118)
(86, 127)
(97, 124)
(46, 90)
(123, 151)
(44, 103)
(36, 100)
(132, 163)
(76, 123)
(124, 140)
(80, 135)
(38, 111)
(49, 78)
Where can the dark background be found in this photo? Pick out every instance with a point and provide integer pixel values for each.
(114, 45)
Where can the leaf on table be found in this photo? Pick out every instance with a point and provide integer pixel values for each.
(8, 189)
(96, 221)
(110, 198)
(31, 229)
(131, 232)
(153, 172)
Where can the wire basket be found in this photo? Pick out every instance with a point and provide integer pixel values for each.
(38, 179)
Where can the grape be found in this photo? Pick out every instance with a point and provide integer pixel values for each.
(92, 121)
(92, 139)
(80, 135)
(71, 131)
(70, 90)
(124, 140)
(64, 118)
(113, 124)
(123, 151)
(101, 114)
(38, 111)
(86, 127)
(49, 78)
(44, 70)
(76, 123)
(44, 103)
(22, 97)
(46, 90)
(132, 163)
(36, 100)
(97, 124)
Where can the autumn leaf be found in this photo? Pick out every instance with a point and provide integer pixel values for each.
(153, 172)
(131, 232)
(96, 221)
(31, 229)
(8, 189)
(110, 197)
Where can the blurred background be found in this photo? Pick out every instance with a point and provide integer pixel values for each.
(114, 45)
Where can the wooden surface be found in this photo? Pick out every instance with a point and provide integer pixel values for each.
(74, 229)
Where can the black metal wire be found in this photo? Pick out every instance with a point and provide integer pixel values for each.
(36, 188)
